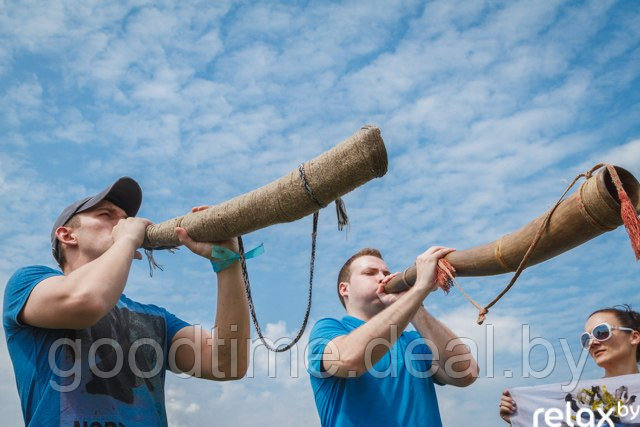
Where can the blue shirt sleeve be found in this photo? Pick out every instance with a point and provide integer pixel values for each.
(174, 324)
(323, 331)
(19, 288)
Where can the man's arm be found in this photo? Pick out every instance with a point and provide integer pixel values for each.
(83, 297)
(353, 354)
(454, 365)
(223, 356)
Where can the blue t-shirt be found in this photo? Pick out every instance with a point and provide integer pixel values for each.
(110, 374)
(397, 391)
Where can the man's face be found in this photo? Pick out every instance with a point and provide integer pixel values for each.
(94, 232)
(366, 273)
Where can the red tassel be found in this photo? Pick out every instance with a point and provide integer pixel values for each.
(627, 212)
(631, 221)
(443, 275)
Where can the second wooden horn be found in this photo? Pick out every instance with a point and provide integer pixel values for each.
(589, 212)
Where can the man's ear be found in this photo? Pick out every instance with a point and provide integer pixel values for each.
(635, 338)
(65, 235)
(343, 289)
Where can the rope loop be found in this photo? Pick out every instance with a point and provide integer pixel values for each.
(483, 311)
(343, 220)
(252, 310)
(482, 315)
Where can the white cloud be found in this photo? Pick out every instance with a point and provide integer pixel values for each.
(22, 103)
(503, 328)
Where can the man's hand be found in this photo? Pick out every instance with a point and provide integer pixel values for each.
(388, 299)
(203, 248)
(426, 265)
(131, 230)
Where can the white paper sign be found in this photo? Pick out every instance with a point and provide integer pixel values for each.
(613, 401)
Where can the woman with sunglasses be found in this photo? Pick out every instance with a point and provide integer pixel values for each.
(612, 337)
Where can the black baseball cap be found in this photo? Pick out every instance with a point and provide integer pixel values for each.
(124, 193)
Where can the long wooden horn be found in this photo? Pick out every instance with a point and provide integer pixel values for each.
(589, 212)
(303, 191)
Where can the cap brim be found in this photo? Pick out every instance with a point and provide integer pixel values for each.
(124, 193)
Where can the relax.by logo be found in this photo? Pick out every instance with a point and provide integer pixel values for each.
(583, 417)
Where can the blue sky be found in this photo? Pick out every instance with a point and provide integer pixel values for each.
(488, 111)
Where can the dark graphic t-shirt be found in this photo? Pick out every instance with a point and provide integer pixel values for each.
(110, 375)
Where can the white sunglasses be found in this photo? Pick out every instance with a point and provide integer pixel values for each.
(601, 332)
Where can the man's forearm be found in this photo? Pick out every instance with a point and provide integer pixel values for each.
(448, 345)
(102, 280)
(232, 327)
(437, 333)
(357, 349)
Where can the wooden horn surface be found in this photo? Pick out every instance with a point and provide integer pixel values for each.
(590, 211)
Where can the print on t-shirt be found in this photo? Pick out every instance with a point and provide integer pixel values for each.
(117, 355)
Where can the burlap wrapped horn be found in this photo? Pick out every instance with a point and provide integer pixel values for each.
(329, 176)
(589, 212)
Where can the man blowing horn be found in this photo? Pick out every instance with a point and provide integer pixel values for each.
(83, 353)
(365, 368)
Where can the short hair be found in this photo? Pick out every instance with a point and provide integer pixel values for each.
(627, 317)
(74, 222)
(345, 271)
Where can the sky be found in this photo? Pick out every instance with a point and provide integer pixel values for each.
(488, 110)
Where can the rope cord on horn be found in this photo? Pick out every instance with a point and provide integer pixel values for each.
(484, 310)
(247, 288)
(342, 221)
(341, 210)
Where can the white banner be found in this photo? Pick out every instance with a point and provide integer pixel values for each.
(604, 402)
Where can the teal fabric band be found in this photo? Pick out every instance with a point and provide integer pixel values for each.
(225, 257)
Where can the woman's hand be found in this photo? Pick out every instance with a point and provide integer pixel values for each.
(507, 406)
